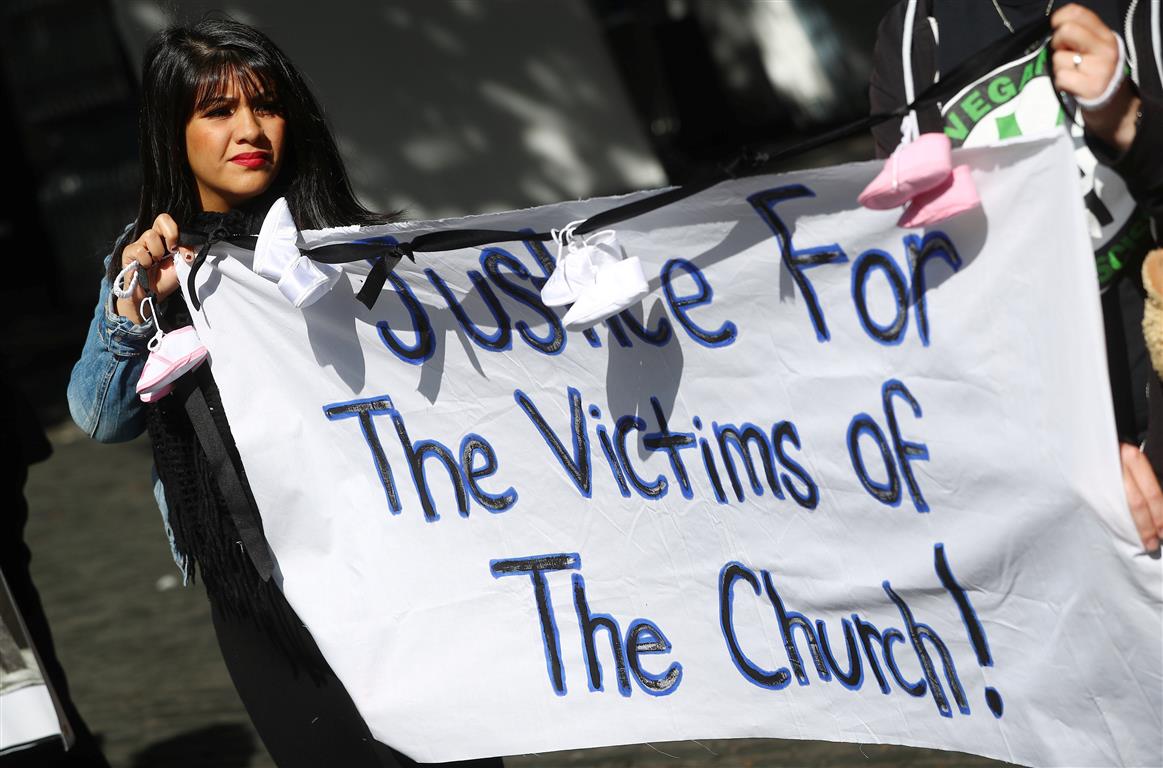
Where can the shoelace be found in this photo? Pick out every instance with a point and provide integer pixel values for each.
(158, 333)
(568, 240)
(590, 238)
(565, 238)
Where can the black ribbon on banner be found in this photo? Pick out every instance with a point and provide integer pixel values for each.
(383, 255)
(218, 234)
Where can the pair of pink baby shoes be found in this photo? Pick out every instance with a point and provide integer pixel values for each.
(594, 276)
(171, 355)
(920, 174)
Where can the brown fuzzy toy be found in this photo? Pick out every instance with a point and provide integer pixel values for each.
(1153, 307)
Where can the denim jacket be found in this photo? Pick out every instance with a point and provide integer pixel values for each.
(103, 386)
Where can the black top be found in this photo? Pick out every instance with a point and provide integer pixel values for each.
(977, 23)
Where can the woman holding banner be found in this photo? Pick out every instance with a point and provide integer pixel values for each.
(227, 126)
(1116, 123)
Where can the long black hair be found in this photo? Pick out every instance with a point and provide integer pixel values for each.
(184, 69)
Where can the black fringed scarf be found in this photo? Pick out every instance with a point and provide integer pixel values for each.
(205, 534)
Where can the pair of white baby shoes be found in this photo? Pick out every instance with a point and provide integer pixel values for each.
(593, 275)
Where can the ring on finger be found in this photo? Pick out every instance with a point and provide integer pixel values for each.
(1077, 60)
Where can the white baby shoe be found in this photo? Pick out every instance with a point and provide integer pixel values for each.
(277, 257)
(594, 275)
(617, 285)
(578, 262)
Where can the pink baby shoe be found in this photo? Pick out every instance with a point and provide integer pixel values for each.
(957, 194)
(171, 355)
(912, 169)
(153, 397)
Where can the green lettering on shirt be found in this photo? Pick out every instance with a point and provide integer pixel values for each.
(1027, 74)
(1001, 89)
(1127, 250)
(1105, 271)
(975, 106)
(954, 128)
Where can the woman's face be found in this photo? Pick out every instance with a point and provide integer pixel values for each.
(235, 147)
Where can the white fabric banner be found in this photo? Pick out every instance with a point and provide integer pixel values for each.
(831, 480)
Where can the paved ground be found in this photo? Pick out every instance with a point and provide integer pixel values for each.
(144, 664)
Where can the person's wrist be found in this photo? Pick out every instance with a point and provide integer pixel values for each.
(121, 334)
(1116, 123)
(128, 308)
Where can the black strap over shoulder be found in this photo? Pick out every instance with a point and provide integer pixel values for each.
(227, 474)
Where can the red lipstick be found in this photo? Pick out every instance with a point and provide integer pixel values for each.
(252, 159)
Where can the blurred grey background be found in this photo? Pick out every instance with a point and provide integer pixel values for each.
(442, 108)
